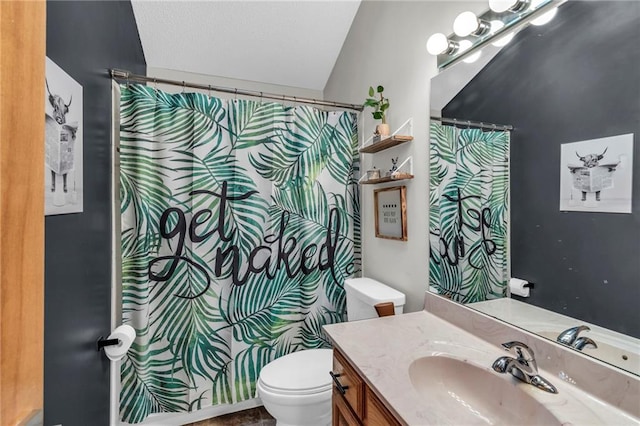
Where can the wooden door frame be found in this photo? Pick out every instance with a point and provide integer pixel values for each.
(22, 69)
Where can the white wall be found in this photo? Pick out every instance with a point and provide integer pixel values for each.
(386, 45)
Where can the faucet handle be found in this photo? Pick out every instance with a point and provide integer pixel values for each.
(583, 341)
(570, 334)
(523, 352)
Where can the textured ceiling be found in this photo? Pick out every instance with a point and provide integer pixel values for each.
(292, 43)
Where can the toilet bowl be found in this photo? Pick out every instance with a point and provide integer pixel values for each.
(296, 388)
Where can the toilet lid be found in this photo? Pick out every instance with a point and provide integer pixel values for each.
(305, 371)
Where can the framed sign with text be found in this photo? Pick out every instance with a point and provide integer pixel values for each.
(391, 213)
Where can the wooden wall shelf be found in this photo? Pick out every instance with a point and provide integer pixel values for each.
(385, 144)
(394, 178)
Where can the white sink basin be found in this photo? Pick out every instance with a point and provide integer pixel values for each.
(463, 393)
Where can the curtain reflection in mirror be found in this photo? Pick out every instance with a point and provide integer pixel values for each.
(469, 209)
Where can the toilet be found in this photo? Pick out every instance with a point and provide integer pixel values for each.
(296, 388)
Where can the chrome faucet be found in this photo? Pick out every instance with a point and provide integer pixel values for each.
(523, 367)
(570, 337)
(571, 334)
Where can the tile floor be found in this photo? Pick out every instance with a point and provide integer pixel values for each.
(253, 417)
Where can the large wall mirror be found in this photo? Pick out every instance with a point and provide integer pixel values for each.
(540, 189)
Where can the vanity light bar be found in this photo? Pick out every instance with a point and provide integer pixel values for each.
(496, 25)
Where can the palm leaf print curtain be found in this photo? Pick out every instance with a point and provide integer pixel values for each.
(240, 223)
(468, 212)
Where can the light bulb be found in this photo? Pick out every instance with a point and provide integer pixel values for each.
(546, 17)
(465, 24)
(496, 26)
(438, 44)
(503, 41)
(500, 6)
(472, 58)
(464, 45)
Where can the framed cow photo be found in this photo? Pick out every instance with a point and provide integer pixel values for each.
(596, 175)
(63, 175)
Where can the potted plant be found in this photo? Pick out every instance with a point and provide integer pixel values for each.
(380, 107)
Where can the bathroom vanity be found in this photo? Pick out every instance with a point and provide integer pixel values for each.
(427, 368)
(354, 402)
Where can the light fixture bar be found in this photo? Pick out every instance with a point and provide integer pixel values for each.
(447, 60)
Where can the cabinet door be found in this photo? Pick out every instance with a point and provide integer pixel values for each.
(342, 414)
(376, 414)
(351, 383)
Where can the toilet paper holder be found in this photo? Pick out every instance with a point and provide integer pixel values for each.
(102, 342)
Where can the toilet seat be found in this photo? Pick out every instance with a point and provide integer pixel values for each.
(300, 373)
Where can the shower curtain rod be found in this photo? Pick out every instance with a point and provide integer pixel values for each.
(128, 76)
(468, 123)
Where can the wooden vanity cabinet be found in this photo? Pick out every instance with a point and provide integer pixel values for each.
(354, 403)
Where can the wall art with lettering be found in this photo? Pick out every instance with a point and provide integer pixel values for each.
(391, 213)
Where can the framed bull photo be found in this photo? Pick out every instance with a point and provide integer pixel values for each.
(391, 213)
(63, 142)
(596, 175)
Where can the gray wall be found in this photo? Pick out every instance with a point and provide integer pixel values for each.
(574, 79)
(85, 39)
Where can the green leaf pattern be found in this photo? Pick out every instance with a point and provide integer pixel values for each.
(190, 353)
(472, 165)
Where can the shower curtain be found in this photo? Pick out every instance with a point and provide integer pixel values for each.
(240, 223)
(468, 212)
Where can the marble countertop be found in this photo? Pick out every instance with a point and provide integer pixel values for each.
(382, 350)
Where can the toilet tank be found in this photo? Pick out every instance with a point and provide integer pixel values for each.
(364, 293)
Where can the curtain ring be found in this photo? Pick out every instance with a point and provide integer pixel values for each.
(235, 96)
(183, 85)
(455, 122)
(481, 126)
(209, 90)
(295, 101)
(468, 124)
